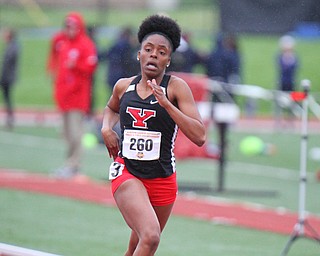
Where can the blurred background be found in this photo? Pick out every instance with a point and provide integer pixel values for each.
(257, 26)
(263, 157)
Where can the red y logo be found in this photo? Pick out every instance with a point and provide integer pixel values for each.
(140, 116)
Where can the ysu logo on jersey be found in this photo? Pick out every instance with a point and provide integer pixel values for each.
(140, 116)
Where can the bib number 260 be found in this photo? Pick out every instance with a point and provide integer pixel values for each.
(141, 144)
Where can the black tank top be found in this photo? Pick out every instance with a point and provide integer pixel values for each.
(145, 116)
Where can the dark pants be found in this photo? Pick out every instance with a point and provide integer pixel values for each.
(6, 91)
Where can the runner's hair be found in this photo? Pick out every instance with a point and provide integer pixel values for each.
(163, 25)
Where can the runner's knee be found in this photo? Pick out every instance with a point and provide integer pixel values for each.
(150, 238)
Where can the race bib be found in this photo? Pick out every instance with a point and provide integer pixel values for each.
(115, 170)
(141, 145)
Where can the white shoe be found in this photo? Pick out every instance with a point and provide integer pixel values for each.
(65, 173)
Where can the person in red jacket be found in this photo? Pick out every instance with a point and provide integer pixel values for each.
(77, 61)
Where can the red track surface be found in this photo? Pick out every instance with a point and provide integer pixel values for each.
(194, 207)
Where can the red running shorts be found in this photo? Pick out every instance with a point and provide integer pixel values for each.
(161, 191)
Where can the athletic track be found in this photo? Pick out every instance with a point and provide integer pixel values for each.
(84, 189)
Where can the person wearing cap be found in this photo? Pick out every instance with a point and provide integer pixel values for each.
(151, 107)
(77, 61)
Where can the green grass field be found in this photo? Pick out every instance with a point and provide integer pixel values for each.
(69, 227)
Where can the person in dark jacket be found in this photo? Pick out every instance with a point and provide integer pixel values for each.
(287, 61)
(223, 63)
(120, 57)
(215, 61)
(8, 75)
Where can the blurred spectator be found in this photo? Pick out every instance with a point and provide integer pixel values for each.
(215, 61)
(223, 64)
(121, 58)
(77, 61)
(287, 66)
(185, 58)
(8, 74)
(233, 62)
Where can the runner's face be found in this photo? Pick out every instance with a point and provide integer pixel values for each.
(155, 55)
